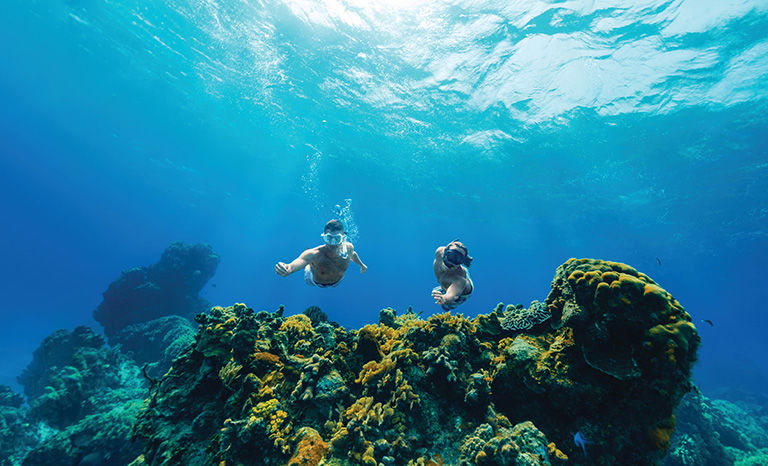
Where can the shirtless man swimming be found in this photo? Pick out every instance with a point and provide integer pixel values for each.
(450, 266)
(324, 266)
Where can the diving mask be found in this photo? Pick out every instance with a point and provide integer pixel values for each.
(333, 239)
(452, 257)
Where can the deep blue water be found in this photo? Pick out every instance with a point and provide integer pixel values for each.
(534, 131)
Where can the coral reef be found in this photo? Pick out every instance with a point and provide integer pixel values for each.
(169, 287)
(73, 375)
(17, 434)
(716, 432)
(261, 388)
(97, 439)
(155, 343)
(85, 397)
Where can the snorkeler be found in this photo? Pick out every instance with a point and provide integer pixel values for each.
(324, 266)
(450, 266)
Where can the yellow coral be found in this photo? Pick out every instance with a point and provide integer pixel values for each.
(386, 337)
(456, 323)
(279, 428)
(359, 409)
(310, 450)
(670, 352)
(239, 307)
(660, 435)
(368, 458)
(298, 326)
(555, 453)
(338, 438)
(229, 372)
(374, 370)
(270, 384)
(450, 340)
(265, 408)
(268, 358)
(403, 392)
(676, 338)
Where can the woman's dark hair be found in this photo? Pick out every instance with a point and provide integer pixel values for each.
(334, 225)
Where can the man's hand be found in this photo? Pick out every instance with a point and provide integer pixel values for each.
(363, 268)
(438, 296)
(282, 269)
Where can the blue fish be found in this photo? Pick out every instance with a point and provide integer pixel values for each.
(581, 441)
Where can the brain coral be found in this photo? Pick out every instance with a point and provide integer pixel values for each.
(525, 318)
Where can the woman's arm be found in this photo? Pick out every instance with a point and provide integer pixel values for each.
(453, 291)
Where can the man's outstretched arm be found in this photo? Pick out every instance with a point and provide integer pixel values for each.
(356, 259)
(299, 263)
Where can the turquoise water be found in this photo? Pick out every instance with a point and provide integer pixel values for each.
(534, 131)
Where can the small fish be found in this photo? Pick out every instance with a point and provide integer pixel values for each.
(581, 441)
(213, 285)
(708, 321)
(658, 260)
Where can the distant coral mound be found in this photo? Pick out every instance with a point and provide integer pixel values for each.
(610, 363)
(86, 396)
(17, 435)
(73, 375)
(717, 432)
(156, 343)
(169, 287)
(78, 349)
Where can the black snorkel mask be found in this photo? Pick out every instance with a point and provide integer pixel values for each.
(453, 257)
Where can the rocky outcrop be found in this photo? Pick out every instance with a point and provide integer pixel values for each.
(169, 287)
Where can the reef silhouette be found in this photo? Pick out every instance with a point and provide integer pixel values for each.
(169, 287)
